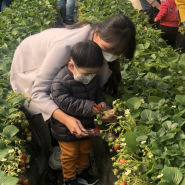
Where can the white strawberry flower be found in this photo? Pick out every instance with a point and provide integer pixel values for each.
(143, 142)
(150, 156)
(114, 102)
(119, 117)
(10, 151)
(127, 112)
(128, 172)
(173, 106)
(4, 159)
(26, 90)
(14, 89)
(123, 144)
(142, 101)
(122, 139)
(159, 176)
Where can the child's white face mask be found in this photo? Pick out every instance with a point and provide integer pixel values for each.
(107, 56)
(83, 79)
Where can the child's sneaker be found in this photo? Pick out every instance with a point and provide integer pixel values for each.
(85, 178)
(54, 159)
(71, 182)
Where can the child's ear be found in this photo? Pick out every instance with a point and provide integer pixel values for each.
(70, 65)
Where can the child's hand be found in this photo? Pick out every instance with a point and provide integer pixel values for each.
(94, 111)
(155, 20)
(104, 105)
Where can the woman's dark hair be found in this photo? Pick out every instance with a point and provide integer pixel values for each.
(87, 54)
(119, 31)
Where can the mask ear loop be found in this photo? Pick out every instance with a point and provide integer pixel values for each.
(78, 74)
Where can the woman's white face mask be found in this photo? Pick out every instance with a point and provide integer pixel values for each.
(83, 79)
(108, 56)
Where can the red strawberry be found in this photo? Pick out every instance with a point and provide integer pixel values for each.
(24, 156)
(97, 107)
(20, 181)
(24, 170)
(91, 133)
(116, 146)
(29, 134)
(22, 163)
(124, 183)
(26, 131)
(97, 129)
(122, 161)
(25, 183)
(113, 134)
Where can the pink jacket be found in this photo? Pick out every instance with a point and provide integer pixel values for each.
(168, 14)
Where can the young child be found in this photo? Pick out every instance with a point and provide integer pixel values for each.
(75, 90)
(168, 21)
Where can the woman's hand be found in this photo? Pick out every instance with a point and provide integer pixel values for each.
(104, 105)
(73, 124)
(109, 118)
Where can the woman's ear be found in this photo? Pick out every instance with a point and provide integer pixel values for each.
(96, 36)
(96, 32)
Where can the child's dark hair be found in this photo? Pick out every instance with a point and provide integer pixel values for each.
(87, 54)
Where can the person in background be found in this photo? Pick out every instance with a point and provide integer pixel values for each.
(76, 91)
(151, 8)
(168, 21)
(67, 10)
(181, 7)
(4, 3)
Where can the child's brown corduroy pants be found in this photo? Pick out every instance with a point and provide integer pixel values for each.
(74, 156)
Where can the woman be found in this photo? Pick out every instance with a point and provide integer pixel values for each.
(39, 58)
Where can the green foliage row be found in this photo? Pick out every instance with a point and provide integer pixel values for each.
(22, 19)
(182, 29)
(151, 103)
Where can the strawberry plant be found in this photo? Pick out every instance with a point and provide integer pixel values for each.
(21, 20)
(150, 102)
(182, 29)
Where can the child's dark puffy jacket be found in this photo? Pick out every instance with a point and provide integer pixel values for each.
(75, 99)
(168, 15)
